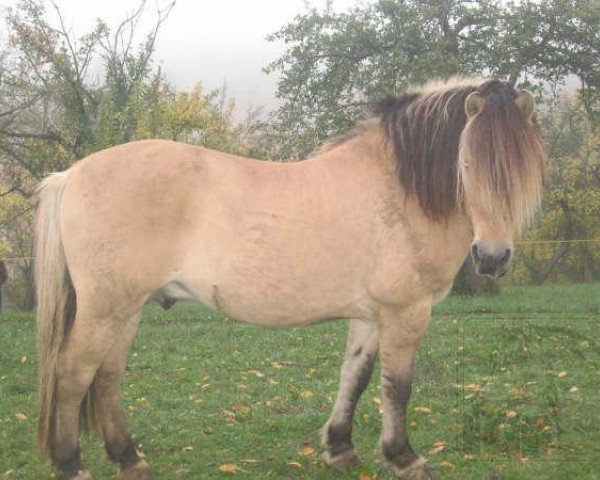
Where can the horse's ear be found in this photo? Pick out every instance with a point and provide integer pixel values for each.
(526, 103)
(474, 103)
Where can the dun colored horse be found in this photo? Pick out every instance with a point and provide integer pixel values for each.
(373, 228)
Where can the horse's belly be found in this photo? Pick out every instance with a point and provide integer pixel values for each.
(275, 300)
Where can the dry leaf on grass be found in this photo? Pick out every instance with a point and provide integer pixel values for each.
(229, 468)
(308, 452)
(422, 409)
(437, 447)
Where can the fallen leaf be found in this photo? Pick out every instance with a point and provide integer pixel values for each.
(540, 423)
(510, 414)
(422, 409)
(437, 449)
(307, 394)
(573, 389)
(562, 374)
(188, 448)
(519, 454)
(366, 476)
(308, 452)
(447, 464)
(519, 392)
(20, 416)
(474, 387)
(295, 464)
(229, 468)
(377, 401)
(24, 359)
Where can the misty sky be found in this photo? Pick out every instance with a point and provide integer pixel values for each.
(205, 40)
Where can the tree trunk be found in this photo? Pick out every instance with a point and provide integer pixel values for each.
(467, 282)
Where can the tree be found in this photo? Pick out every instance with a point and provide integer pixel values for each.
(54, 110)
(336, 63)
(571, 204)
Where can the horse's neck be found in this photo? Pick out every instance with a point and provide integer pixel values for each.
(363, 168)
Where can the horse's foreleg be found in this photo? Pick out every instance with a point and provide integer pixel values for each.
(361, 352)
(109, 411)
(400, 335)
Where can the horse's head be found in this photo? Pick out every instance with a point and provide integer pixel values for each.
(501, 163)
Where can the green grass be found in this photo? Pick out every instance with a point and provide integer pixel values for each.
(511, 386)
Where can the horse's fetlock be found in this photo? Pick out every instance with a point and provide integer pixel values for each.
(338, 438)
(123, 453)
(67, 462)
(398, 453)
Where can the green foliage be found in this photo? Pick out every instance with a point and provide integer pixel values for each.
(571, 203)
(336, 63)
(56, 111)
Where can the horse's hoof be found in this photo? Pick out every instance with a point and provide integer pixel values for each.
(81, 475)
(139, 471)
(418, 470)
(342, 461)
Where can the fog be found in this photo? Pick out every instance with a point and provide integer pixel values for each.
(204, 41)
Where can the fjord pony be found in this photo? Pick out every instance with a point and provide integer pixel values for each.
(373, 228)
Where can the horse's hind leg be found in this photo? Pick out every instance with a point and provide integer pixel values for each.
(83, 351)
(109, 413)
(361, 351)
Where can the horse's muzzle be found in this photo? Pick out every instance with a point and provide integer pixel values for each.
(490, 261)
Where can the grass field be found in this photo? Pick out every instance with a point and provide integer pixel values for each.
(506, 387)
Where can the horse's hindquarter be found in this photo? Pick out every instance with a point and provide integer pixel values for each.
(263, 242)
